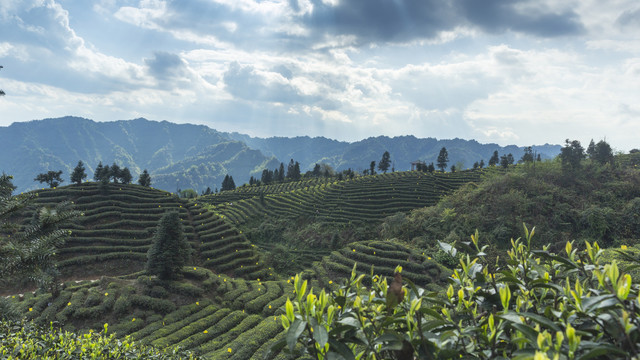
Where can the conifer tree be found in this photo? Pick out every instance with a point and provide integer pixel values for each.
(385, 162)
(443, 159)
(170, 250)
(78, 174)
(125, 176)
(144, 179)
(372, 168)
(528, 155)
(591, 149)
(602, 153)
(281, 173)
(97, 174)
(114, 173)
(495, 159)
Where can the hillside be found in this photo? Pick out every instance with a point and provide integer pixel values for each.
(184, 156)
(227, 302)
(403, 150)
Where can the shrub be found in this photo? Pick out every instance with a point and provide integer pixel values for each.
(537, 304)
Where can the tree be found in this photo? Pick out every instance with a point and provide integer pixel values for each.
(443, 159)
(144, 179)
(52, 178)
(431, 168)
(281, 173)
(114, 172)
(571, 155)
(102, 173)
(267, 176)
(528, 155)
(481, 163)
(28, 251)
(293, 171)
(591, 149)
(602, 153)
(1, 91)
(495, 159)
(372, 168)
(125, 176)
(316, 170)
(506, 160)
(385, 162)
(453, 168)
(169, 249)
(78, 173)
(228, 183)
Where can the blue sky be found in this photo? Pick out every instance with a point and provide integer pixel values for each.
(511, 72)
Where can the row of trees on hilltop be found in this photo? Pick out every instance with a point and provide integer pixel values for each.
(104, 174)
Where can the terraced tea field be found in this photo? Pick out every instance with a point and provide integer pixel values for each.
(363, 199)
(227, 304)
(115, 233)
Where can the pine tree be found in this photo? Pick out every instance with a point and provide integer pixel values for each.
(528, 155)
(97, 174)
(52, 178)
(385, 162)
(144, 179)
(602, 153)
(571, 155)
(372, 168)
(316, 171)
(78, 173)
(495, 159)
(481, 163)
(443, 159)
(591, 149)
(170, 250)
(125, 176)
(114, 173)
(281, 173)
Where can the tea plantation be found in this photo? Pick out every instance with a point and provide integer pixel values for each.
(227, 302)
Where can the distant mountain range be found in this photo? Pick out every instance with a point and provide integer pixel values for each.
(196, 156)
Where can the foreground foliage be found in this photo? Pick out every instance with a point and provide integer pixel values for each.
(539, 305)
(28, 341)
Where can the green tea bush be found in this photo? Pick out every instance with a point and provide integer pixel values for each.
(28, 341)
(535, 305)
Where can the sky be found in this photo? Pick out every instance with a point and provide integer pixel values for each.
(502, 71)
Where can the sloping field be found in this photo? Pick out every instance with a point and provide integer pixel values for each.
(363, 199)
(116, 230)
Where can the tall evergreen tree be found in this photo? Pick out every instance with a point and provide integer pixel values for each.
(125, 176)
(144, 179)
(114, 172)
(495, 159)
(78, 173)
(385, 162)
(603, 153)
(281, 174)
(372, 168)
(571, 155)
(170, 250)
(316, 170)
(267, 176)
(443, 159)
(481, 163)
(52, 178)
(1, 91)
(591, 149)
(228, 183)
(97, 174)
(528, 155)
(431, 168)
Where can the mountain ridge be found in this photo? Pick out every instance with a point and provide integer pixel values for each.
(170, 151)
